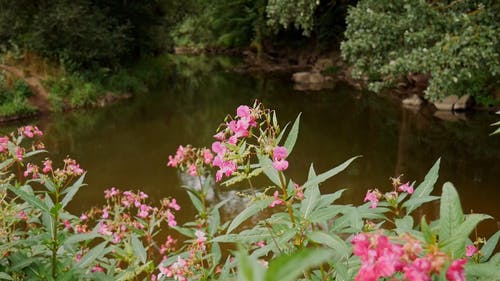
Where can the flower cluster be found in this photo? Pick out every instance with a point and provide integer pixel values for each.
(232, 146)
(184, 269)
(126, 213)
(382, 258)
(373, 195)
(10, 146)
(191, 159)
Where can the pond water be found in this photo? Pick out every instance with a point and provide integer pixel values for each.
(126, 145)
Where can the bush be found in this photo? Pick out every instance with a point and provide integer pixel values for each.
(299, 234)
(456, 43)
(13, 101)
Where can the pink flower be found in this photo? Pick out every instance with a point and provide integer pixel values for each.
(84, 217)
(243, 111)
(227, 168)
(406, 188)
(279, 153)
(105, 213)
(277, 200)
(173, 204)
(47, 166)
(116, 238)
(373, 197)
(280, 165)
(260, 244)
(172, 161)
(20, 153)
(220, 136)
(67, 225)
(470, 250)
(144, 211)
(200, 239)
(97, 269)
(3, 143)
(109, 193)
(171, 219)
(419, 270)
(207, 156)
(103, 229)
(456, 270)
(379, 258)
(22, 215)
(218, 148)
(192, 170)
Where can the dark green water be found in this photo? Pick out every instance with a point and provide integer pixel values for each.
(126, 145)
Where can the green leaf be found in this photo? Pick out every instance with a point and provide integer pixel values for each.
(6, 163)
(311, 196)
(426, 231)
(404, 224)
(450, 212)
(34, 201)
(72, 190)
(485, 271)
(333, 241)
(456, 243)
(195, 199)
(292, 136)
(5, 276)
(269, 171)
(139, 249)
(328, 174)
(94, 253)
(184, 231)
(250, 211)
(77, 238)
(425, 188)
(414, 203)
(249, 268)
(489, 246)
(289, 267)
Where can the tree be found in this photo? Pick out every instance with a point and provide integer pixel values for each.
(456, 42)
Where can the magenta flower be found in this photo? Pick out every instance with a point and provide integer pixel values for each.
(218, 148)
(470, 250)
(279, 153)
(20, 153)
(173, 204)
(207, 156)
(47, 166)
(419, 270)
(243, 111)
(105, 213)
(192, 170)
(227, 168)
(373, 197)
(109, 193)
(280, 165)
(3, 143)
(406, 188)
(456, 270)
(277, 200)
(220, 136)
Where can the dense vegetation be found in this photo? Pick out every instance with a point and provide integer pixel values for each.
(297, 233)
(85, 46)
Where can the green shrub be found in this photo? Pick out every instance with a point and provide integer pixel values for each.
(456, 43)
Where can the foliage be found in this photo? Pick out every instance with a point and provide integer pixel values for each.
(14, 100)
(298, 12)
(87, 33)
(455, 42)
(300, 233)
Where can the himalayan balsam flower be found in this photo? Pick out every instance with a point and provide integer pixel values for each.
(277, 200)
(456, 270)
(279, 155)
(373, 197)
(47, 166)
(406, 188)
(419, 270)
(470, 250)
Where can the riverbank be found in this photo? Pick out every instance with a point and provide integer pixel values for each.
(33, 86)
(313, 70)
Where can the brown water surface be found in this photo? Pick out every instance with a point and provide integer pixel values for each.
(126, 145)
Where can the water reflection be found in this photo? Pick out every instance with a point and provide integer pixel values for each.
(126, 145)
